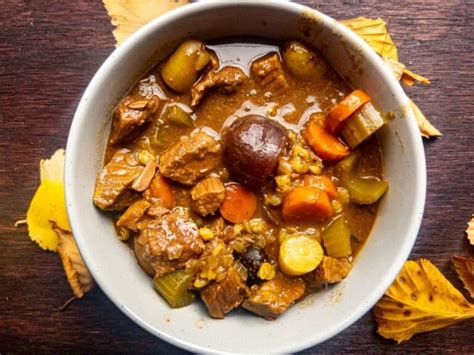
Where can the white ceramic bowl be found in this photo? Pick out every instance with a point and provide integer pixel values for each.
(326, 313)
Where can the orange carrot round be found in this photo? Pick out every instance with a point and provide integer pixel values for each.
(326, 146)
(239, 204)
(344, 109)
(306, 204)
(161, 189)
(321, 182)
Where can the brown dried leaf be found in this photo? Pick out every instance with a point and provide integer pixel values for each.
(77, 274)
(421, 299)
(470, 230)
(129, 15)
(375, 33)
(427, 130)
(465, 270)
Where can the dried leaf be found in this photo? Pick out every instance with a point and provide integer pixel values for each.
(427, 130)
(48, 203)
(407, 77)
(375, 33)
(465, 270)
(419, 300)
(77, 274)
(129, 15)
(53, 168)
(470, 230)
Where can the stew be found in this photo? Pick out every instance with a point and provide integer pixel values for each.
(244, 172)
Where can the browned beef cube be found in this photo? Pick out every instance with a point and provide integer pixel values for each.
(331, 270)
(207, 195)
(171, 241)
(273, 297)
(227, 79)
(191, 158)
(269, 72)
(222, 297)
(115, 178)
(133, 214)
(132, 113)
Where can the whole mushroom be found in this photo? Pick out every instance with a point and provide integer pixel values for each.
(252, 146)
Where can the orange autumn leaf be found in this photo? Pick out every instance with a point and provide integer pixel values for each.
(465, 269)
(420, 300)
(77, 274)
(129, 15)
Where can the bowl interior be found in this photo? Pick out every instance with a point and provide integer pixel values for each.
(324, 314)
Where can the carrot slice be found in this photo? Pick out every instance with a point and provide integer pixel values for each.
(161, 189)
(306, 204)
(239, 204)
(344, 109)
(321, 182)
(327, 146)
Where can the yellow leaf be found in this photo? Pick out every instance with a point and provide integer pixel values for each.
(426, 128)
(470, 230)
(375, 33)
(409, 78)
(53, 168)
(129, 15)
(77, 274)
(465, 270)
(419, 300)
(47, 205)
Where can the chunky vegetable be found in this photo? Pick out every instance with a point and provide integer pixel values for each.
(182, 68)
(302, 62)
(321, 182)
(239, 204)
(252, 146)
(178, 116)
(174, 288)
(326, 146)
(344, 109)
(337, 238)
(306, 204)
(161, 189)
(299, 255)
(363, 190)
(362, 125)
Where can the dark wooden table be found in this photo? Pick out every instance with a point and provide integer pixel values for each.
(49, 50)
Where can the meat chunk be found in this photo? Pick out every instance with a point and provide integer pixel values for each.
(227, 79)
(207, 195)
(171, 241)
(269, 72)
(222, 297)
(191, 158)
(115, 178)
(272, 298)
(133, 112)
(331, 270)
(133, 214)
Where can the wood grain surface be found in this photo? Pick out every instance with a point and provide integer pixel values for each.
(49, 50)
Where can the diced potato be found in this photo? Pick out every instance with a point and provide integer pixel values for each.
(302, 62)
(182, 68)
(299, 255)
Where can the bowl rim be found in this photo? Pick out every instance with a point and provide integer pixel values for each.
(73, 143)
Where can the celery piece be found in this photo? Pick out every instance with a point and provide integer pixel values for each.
(362, 125)
(178, 116)
(173, 288)
(337, 238)
(363, 190)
